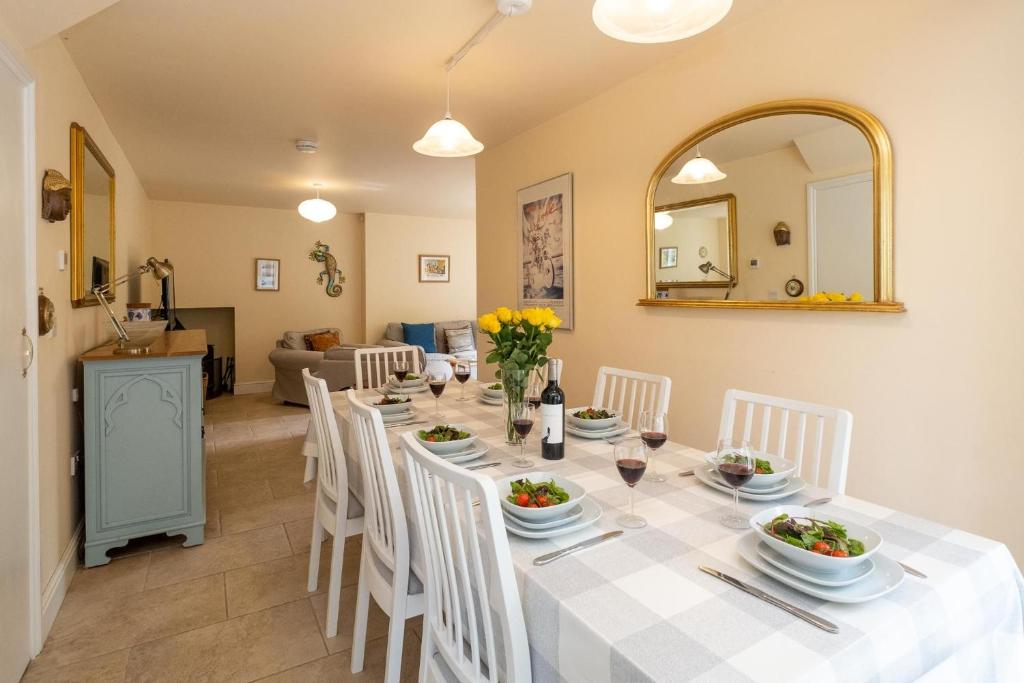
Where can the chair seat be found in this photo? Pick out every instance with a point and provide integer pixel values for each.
(415, 584)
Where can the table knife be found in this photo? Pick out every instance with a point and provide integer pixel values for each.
(817, 501)
(551, 557)
(688, 473)
(772, 600)
(913, 572)
(480, 467)
(404, 424)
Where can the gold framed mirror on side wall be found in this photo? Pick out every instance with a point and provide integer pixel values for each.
(822, 169)
(93, 214)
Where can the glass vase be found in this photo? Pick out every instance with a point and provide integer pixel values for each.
(514, 380)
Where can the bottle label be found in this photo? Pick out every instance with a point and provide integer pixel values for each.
(552, 418)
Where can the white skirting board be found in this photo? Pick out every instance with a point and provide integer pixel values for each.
(261, 387)
(60, 581)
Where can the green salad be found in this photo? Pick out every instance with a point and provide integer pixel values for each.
(496, 386)
(593, 414)
(813, 535)
(760, 466)
(526, 494)
(410, 377)
(392, 400)
(443, 434)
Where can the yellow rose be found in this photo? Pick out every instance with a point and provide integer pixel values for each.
(555, 323)
(820, 297)
(517, 317)
(856, 296)
(504, 314)
(489, 323)
(836, 296)
(533, 316)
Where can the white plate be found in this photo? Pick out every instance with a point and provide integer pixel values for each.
(490, 401)
(597, 433)
(795, 485)
(478, 451)
(393, 390)
(591, 513)
(833, 580)
(887, 576)
(752, 489)
(406, 383)
(553, 524)
(399, 417)
(603, 424)
(485, 390)
(444, 448)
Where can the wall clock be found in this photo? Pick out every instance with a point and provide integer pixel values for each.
(794, 287)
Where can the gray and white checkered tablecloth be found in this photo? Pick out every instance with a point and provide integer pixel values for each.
(637, 608)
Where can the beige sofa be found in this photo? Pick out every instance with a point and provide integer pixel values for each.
(439, 362)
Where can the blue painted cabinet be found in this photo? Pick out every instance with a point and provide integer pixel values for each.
(143, 444)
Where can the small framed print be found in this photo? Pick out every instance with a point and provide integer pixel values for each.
(669, 257)
(268, 274)
(435, 268)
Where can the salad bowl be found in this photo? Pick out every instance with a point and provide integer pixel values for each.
(407, 383)
(781, 469)
(575, 492)
(595, 424)
(404, 405)
(804, 558)
(488, 390)
(448, 445)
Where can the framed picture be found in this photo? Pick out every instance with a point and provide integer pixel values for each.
(434, 268)
(268, 274)
(545, 224)
(669, 257)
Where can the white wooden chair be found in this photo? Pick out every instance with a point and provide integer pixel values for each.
(384, 571)
(375, 365)
(331, 507)
(809, 463)
(473, 628)
(629, 393)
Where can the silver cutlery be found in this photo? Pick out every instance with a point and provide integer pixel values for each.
(823, 624)
(404, 424)
(913, 572)
(551, 557)
(688, 473)
(485, 465)
(818, 501)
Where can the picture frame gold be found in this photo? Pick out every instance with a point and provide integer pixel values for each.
(82, 144)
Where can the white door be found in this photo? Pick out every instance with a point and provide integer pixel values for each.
(840, 238)
(16, 584)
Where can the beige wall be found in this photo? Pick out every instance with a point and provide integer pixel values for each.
(936, 392)
(393, 290)
(214, 250)
(61, 97)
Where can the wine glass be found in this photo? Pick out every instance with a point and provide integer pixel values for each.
(534, 388)
(401, 370)
(631, 460)
(462, 373)
(437, 382)
(522, 422)
(654, 434)
(735, 463)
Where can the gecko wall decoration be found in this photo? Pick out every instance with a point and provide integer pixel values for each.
(321, 254)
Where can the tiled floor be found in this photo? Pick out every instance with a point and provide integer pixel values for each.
(236, 607)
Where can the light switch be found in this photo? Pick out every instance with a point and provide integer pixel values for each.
(62, 260)
(755, 262)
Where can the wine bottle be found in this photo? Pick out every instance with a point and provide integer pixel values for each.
(552, 415)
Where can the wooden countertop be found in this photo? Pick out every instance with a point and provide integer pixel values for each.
(177, 343)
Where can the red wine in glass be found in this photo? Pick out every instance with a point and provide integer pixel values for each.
(534, 401)
(437, 388)
(462, 376)
(631, 470)
(736, 474)
(654, 440)
(400, 375)
(522, 426)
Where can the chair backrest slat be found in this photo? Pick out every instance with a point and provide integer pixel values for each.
(470, 579)
(331, 472)
(818, 464)
(629, 393)
(374, 366)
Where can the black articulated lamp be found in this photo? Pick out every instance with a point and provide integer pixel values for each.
(708, 267)
(160, 270)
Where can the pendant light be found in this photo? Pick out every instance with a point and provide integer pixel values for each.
(448, 137)
(697, 171)
(657, 21)
(317, 210)
(663, 220)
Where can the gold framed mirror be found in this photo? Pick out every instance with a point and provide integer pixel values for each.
(93, 214)
(809, 223)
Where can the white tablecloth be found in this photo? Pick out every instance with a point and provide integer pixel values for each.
(638, 609)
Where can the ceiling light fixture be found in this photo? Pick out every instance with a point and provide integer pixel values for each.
(448, 137)
(698, 171)
(316, 209)
(662, 220)
(657, 21)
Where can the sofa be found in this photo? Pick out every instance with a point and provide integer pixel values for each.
(440, 361)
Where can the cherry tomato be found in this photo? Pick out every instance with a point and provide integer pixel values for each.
(759, 470)
(523, 499)
(533, 505)
(839, 553)
(821, 547)
(430, 438)
(542, 501)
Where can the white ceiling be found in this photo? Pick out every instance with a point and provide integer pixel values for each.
(206, 98)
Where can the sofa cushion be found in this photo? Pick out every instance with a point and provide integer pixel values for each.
(322, 341)
(394, 332)
(297, 340)
(459, 339)
(420, 334)
(444, 325)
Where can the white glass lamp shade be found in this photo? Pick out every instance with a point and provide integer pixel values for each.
(662, 220)
(317, 210)
(448, 138)
(657, 21)
(697, 171)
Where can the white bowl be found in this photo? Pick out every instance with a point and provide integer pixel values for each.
(486, 390)
(805, 559)
(407, 383)
(606, 423)
(576, 495)
(446, 447)
(144, 332)
(782, 469)
(394, 407)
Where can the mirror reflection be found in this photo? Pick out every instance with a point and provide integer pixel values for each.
(92, 219)
(802, 217)
(96, 220)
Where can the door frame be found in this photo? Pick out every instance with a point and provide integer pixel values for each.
(31, 204)
(812, 219)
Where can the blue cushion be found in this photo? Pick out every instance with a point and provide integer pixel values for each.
(420, 334)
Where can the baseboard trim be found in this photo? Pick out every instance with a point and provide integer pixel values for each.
(60, 580)
(261, 387)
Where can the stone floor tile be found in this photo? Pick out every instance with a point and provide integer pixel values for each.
(272, 512)
(217, 555)
(108, 668)
(338, 668)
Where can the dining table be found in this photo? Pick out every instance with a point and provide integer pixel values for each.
(638, 607)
